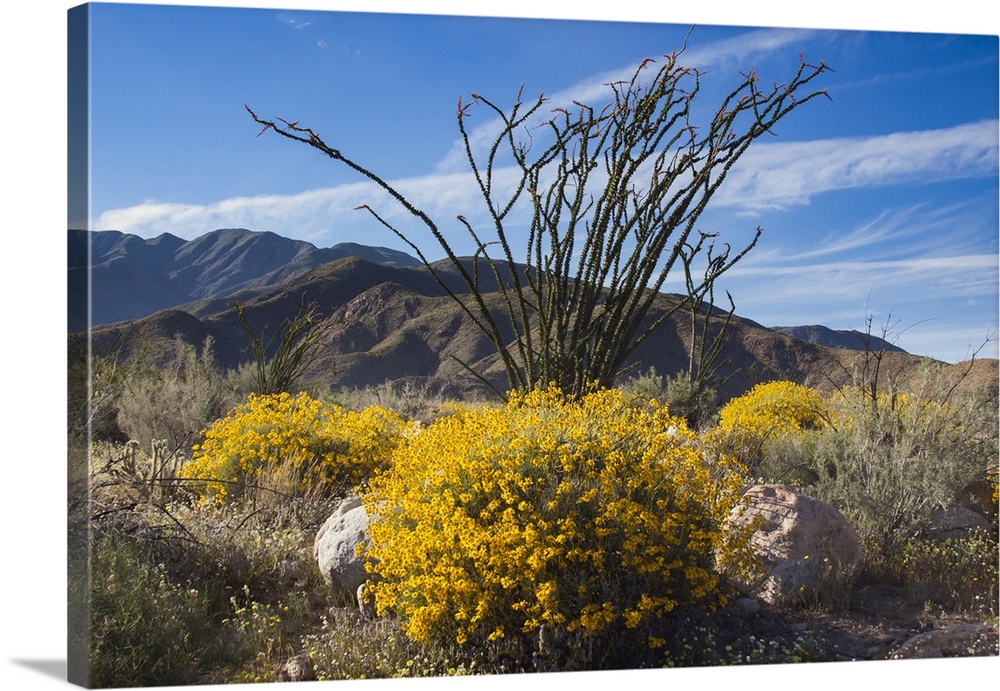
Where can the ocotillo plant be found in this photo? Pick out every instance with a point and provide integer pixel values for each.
(613, 194)
(278, 368)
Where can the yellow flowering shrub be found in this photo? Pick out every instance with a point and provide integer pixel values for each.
(770, 410)
(774, 407)
(315, 448)
(595, 517)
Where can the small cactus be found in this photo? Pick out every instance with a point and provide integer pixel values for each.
(160, 458)
(162, 466)
(128, 460)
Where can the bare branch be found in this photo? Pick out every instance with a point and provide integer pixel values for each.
(614, 192)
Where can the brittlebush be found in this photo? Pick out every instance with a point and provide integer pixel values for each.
(778, 409)
(297, 442)
(595, 517)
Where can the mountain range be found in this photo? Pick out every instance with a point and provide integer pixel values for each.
(132, 277)
(383, 316)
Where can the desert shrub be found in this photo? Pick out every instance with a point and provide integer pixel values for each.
(789, 459)
(777, 410)
(281, 357)
(413, 400)
(176, 396)
(684, 397)
(156, 622)
(574, 527)
(216, 596)
(347, 646)
(96, 377)
(145, 628)
(293, 446)
(957, 573)
(890, 460)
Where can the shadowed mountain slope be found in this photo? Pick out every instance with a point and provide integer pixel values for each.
(841, 338)
(132, 277)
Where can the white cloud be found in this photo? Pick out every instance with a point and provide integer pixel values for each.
(321, 216)
(773, 176)
(292, 21)
(951, 300)
(745, 47)
(786, 174)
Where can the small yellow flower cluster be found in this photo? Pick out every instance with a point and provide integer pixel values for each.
(853, 406)
(581, 515)
(322, 448)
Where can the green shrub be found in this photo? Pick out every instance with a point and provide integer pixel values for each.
(412, 400)
(694, 402)
(174, 398)
(889, 462)
(350, 647)
(146, 630)
(959, 573)
(183, 595)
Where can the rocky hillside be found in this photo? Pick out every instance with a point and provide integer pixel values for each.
(840, 338)
(384, 322)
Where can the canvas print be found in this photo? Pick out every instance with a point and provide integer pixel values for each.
(407, 345)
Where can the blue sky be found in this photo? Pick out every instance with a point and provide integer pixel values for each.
(880, 203)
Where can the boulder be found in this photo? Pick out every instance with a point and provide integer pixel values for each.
(802, 542)
(956, 523)
(978, 496)
(299, 668)
(963, 640)
(336, 545)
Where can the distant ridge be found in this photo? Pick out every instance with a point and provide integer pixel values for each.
(841, 339)
(132, 277)
(382, 323)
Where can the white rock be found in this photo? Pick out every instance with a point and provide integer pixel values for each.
(336, 545)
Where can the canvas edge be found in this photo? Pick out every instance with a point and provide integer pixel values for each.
(78, 384)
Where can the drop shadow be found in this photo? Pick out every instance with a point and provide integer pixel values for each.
(50, 668)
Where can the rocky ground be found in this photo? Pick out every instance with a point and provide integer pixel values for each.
(879, 624)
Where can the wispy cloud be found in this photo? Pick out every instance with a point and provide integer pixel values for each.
(955, 275)
(595, 90)
(950, 300)
(781, 175)
(925, 74)
(923, 244)
(321, 216)
(745, 47)
(944, 286)
(907, 231)
(293, 21)
(786, 174)
(310, 215)
(775, 176)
